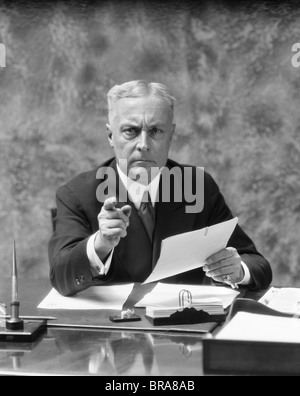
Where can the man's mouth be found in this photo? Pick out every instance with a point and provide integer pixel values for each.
(142, 162)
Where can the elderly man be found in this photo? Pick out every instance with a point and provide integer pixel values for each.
(100, 239)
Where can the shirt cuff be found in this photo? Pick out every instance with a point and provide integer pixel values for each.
(97, 266)
(247, 277)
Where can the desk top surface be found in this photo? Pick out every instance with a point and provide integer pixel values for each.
(107, 351)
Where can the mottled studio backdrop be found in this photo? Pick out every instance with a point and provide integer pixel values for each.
(238, 108)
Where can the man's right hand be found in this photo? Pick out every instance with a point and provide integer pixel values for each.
(113, 223)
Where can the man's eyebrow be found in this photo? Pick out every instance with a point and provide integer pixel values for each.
(156, 124)
(136, 123)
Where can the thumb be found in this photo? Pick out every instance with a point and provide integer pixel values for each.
(126, 210)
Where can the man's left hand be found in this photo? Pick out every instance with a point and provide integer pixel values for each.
(225, 266)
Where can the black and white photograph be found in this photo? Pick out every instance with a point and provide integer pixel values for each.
(149, 190)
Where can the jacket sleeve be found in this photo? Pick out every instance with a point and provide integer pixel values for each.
(70, 270)
(259, 267)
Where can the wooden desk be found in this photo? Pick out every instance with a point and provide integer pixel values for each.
(104, 351)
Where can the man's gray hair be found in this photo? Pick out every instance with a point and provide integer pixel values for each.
(138, 89)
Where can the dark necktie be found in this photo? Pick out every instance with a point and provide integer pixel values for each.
(146, 213)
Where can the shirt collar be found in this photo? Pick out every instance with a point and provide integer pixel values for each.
(136, 190)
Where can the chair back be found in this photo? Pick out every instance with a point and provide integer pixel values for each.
(53, 212)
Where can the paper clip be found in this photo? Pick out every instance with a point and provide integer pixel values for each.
(125, 316)
(185, 296)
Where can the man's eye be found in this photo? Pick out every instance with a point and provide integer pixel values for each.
(156, 131)
(131, 131)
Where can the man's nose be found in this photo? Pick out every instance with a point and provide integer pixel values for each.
(143, 144)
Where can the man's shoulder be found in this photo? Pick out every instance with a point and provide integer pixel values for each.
(86, 180)
(207, 176)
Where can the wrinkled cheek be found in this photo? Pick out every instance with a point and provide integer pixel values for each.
(163, 155)
(124, 151)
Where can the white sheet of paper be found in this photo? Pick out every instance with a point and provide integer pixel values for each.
(167, 294)
(286, 299)
(254, 327)
(187, 251)
(96, 297)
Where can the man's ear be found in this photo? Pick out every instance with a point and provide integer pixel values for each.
(109, 135)
(173, 130)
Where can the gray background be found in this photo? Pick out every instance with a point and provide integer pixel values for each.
(238, 100)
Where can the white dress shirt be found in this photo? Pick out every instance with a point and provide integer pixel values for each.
(135, 193)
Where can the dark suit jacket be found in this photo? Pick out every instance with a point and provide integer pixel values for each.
(134, 256)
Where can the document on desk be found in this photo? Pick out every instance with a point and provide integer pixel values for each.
(286, 299)
(187, 251)
(246, 326)
(167, 295)
(96, 297)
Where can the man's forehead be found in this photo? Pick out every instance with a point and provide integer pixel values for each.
(133, 108)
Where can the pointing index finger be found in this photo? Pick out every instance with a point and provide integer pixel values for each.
(110, 203)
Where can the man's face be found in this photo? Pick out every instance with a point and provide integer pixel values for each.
(140, 133)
